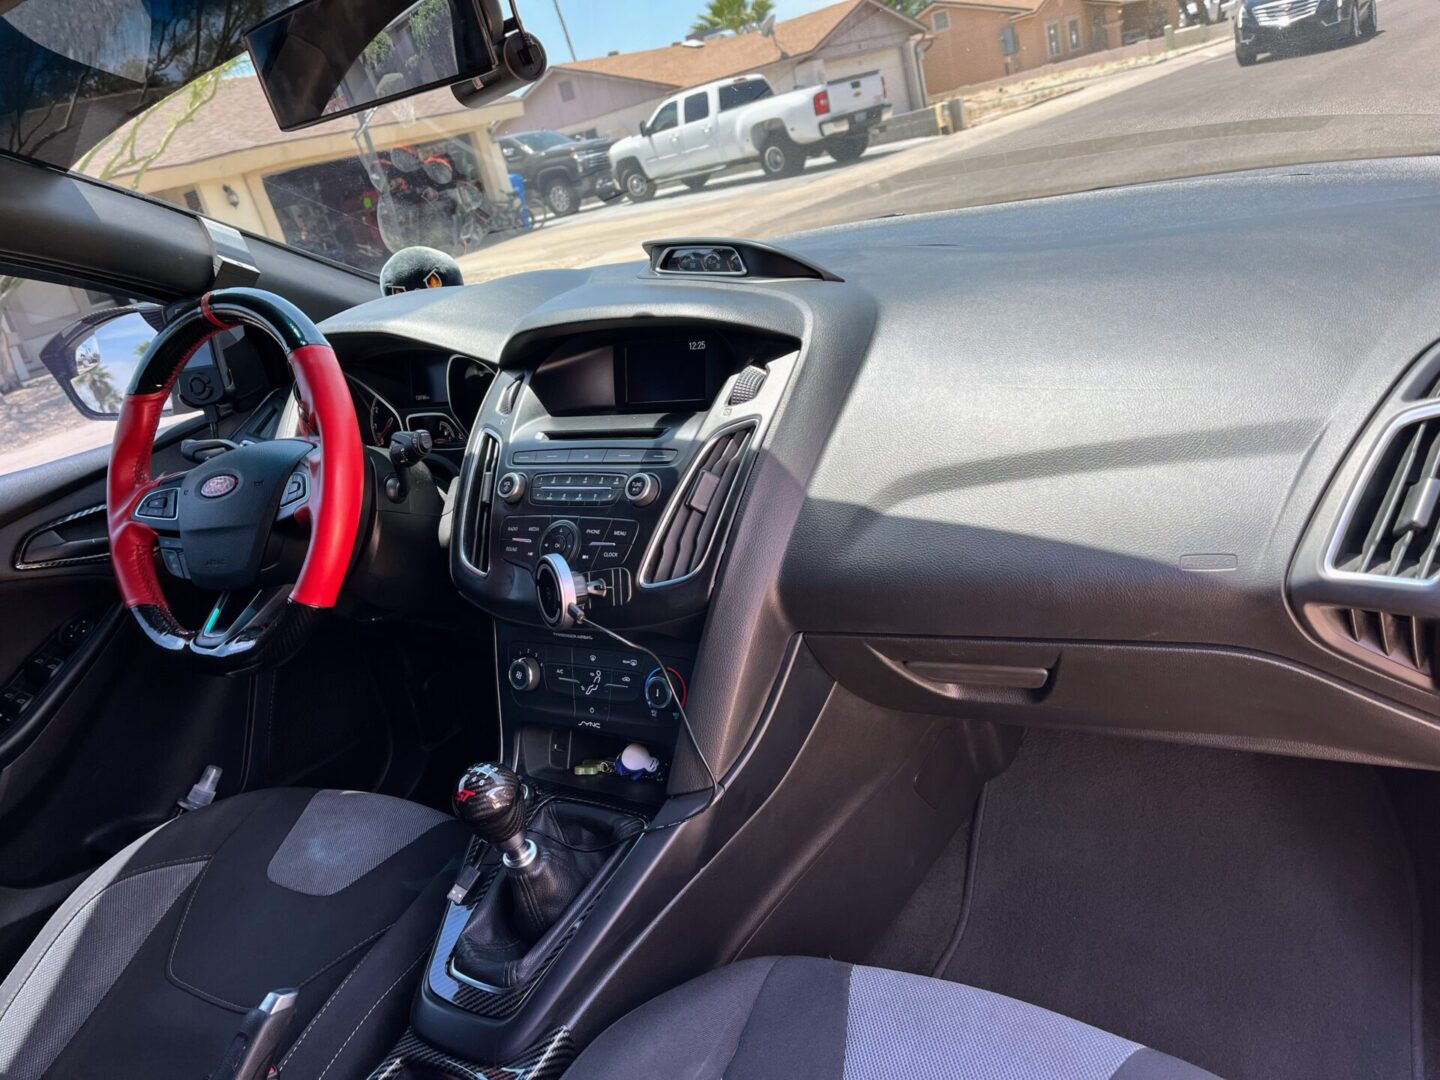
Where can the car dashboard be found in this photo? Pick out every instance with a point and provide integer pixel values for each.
(1059, 464)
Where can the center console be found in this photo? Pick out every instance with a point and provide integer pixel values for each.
(600, 486)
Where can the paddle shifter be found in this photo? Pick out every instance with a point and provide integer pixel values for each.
(540, 877)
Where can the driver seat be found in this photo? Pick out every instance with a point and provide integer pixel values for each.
(150, 966)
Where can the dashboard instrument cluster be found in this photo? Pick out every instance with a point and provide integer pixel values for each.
(414, 391)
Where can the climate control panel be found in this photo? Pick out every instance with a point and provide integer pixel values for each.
(565, 681)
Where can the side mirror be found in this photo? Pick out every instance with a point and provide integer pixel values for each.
(94, 359)
(645, 128)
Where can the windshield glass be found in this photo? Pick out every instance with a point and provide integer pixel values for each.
(711, 117)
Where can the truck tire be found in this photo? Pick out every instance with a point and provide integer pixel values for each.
(637, 186)
(695, 183)
(847, 148)
(1244, 56)
(561, 197)
(781, 157)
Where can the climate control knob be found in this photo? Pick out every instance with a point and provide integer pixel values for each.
(524, 674)
(658, 694)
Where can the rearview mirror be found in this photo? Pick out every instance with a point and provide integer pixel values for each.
(326, 58)
(645, 128)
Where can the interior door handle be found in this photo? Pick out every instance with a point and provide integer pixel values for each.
(75, 537)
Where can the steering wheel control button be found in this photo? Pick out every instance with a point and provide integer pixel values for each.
(511, 487)
(642, 489)
(173, 556)
(524, 674)
(160, 504)
(296, 489)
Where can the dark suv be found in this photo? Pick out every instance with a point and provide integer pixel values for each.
(562, 170)
(1273, 25)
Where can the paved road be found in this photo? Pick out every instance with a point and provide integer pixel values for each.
(1192, 114)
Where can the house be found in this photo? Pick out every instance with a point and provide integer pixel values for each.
(609, 95)
(975, 41)
(309, 188)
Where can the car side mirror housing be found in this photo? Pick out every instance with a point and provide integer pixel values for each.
(645, 127)
(94, 361)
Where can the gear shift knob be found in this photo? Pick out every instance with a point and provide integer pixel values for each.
(490, 799)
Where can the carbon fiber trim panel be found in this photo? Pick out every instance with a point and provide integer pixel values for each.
(547, 1060)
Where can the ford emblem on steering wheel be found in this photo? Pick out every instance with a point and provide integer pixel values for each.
(219, 485)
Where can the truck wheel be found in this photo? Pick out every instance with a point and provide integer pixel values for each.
(561, 197)
(1244, 56)
(695, 183)
(780, 157)
(638, 187)
(1372, 21)
(845, 148)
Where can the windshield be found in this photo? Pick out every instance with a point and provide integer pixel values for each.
(726, 117)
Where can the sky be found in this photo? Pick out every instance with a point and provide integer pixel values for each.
(597, 26)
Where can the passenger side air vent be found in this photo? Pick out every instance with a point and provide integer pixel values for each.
(1390, 526)
(689, 528)
(487, 465)
(1401, 645)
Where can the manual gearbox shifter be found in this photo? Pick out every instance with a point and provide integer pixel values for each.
(541, 877)
(491, 800)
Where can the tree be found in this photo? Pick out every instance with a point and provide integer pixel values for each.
(907, 7)
(129, 152)
(734, 15)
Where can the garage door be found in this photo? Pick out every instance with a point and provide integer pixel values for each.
(887, 62)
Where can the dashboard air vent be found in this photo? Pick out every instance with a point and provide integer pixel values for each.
(1392, 529)
(685, 535)
(489, 462)
(1402, 645)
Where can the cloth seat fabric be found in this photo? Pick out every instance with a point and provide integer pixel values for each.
(800, 1018)
(149, 967)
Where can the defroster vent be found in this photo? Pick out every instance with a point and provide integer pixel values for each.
(690, 529)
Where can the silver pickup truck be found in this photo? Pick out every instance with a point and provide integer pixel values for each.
(695, 134)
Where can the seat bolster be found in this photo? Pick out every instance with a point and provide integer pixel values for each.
(691, 1032)
(97, 930)
(1148, 1064)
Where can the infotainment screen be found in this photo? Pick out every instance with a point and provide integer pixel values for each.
(668, 373)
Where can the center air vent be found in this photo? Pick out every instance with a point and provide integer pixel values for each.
(689, 528)
(1390, 526)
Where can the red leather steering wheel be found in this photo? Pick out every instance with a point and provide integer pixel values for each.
(213, 524)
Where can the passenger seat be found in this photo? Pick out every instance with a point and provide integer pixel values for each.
(798, 1018)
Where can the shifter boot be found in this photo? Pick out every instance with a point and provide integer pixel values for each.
(541, 890)
(524, 912)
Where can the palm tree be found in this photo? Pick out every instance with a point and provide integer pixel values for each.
(734, 15)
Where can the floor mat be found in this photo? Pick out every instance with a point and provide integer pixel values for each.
(1255, 915)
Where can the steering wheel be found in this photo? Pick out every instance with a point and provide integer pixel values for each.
(213, 524)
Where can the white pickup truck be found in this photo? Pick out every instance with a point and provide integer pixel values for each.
(708, 128)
